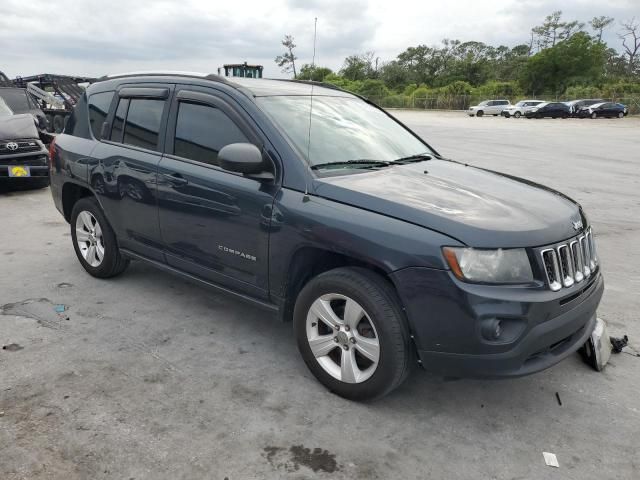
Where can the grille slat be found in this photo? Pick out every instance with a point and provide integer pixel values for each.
(570, 263)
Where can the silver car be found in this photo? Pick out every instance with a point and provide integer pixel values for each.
(520, 108)
(488, 107)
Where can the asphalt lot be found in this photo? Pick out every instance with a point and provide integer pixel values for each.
(148, 377)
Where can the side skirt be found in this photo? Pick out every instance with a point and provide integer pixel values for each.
(246, 298)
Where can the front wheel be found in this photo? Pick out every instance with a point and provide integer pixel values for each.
(479, 113)
(620, 114)
(507, 115)
(351, 333)
(594, 115)
(517, 114)
(95, 241)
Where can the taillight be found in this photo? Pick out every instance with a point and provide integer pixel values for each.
(52, 151)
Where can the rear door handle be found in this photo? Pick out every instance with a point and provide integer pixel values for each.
(175, 178)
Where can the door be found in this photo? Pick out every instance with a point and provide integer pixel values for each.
(125, 174)
(214, 223)
(491, 108)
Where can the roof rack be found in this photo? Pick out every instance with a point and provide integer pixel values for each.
(154, 73)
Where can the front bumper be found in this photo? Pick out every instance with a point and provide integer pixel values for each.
(540, 327)
(37, 161)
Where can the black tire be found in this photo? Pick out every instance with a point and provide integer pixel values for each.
(620, 114)
(380, 302)
(517, 115)
(58, 123)
(565, 115)
(507, 115)
(594, 115)
(113, 263)
(479, 113)
(49, 119)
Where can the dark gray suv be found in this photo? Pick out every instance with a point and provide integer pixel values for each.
(317, 205)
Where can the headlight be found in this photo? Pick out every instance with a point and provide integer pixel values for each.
(489, 266)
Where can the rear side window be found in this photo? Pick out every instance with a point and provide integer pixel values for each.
(142, 126)
(99, 104)
(202, 130)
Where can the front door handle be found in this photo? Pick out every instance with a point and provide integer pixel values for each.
(175, 178)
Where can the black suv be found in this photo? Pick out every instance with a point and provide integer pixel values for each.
(23, 157)
(317, 205)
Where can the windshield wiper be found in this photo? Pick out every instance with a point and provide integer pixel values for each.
(420, 157)
(360, 163)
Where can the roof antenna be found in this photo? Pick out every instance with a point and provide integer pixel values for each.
(313, 67)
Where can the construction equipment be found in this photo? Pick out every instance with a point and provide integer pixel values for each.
(241, 70)
(56, 95)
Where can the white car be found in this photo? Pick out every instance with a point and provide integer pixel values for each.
(488, 107)
(520, 108)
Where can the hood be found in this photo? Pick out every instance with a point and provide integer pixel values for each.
(480, 208)
(18, 126)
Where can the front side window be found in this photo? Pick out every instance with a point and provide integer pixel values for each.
(340, 129)
(98, 109)
(202, 130)
(142, 126)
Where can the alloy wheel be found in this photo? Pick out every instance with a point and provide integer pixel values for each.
(89, 238)
(343, 338)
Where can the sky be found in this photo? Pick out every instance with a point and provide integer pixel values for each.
(94, 37)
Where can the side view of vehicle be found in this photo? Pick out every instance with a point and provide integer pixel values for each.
(382, 253)
(548, 109)
(576, 105)
(603, 110)
(488, 107)
(520, 108)
(23, 157)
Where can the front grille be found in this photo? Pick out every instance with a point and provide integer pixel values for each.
(23, 146)
(569, 263)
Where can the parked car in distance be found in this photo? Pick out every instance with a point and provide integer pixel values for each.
(381, 252)
(603, 110)
(520, 108)
(625, 108)
(488, 107)
(23, 157)
(576, 105)
(548, 109)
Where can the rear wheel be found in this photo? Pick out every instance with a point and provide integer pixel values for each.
(351, 333)
(479, 113)
(94, 240)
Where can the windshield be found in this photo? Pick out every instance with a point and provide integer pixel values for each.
(16, 98)
(341, 129)
(5, 111)
(521, 104)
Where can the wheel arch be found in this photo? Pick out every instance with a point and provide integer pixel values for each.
(308, 262)
(71, 193)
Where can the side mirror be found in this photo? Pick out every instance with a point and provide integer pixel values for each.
(243, 158)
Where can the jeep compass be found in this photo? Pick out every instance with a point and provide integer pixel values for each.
(322, 208)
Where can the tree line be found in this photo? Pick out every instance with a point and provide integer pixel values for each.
(560, 57)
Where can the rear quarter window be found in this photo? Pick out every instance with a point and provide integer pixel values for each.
(78, 123)
(99, 104)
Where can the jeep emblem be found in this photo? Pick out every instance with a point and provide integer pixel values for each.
(577, 225)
